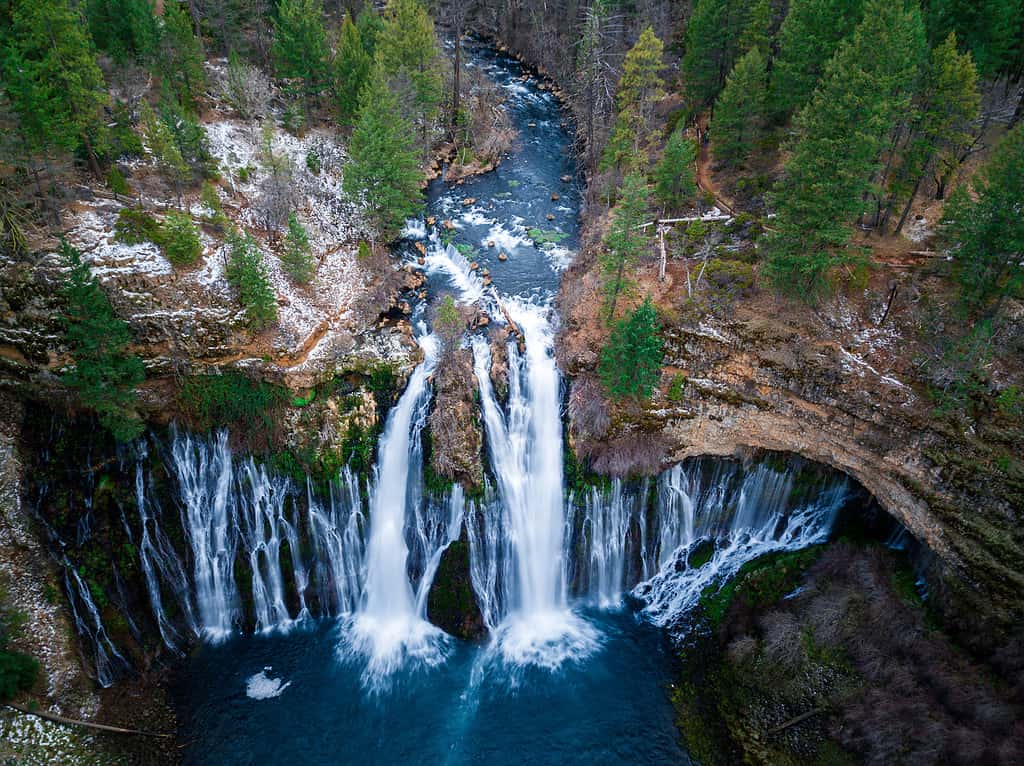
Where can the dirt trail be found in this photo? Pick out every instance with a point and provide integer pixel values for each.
(705, 178)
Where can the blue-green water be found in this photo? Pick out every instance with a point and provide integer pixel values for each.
(609, 708)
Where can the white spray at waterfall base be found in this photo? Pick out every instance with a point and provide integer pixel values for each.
(530, 621)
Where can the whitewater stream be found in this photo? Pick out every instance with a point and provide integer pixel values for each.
(309, 609)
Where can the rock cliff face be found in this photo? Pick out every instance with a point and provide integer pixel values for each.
(840, 385)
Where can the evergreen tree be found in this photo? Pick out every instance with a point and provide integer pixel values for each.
(180, 62)
(179, 239)
(300, 45)
(105, 374)
(808, 38)
(630, 364)
(712, 47)
(625, 241)
(247, 272)
(383, 166)
(52, 80)
(986, 230)
(674, 176)
(161, 145)
(407, 49)
(739, 111)
(945, 108)
(125, 29)
(840, 136)
(352, 66)
(989, 29)
(370, 25)
(297, 258)
(757, 33)
(640, 88)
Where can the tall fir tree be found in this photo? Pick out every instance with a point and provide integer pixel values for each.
(407, 49)
(630, 363)
(625, 241)
(984, 226)
(297, 258)
(990, 29)
(370, 24)
(808, 38)
(352, 64)
(180, 60)
(758, 31)
(125, 29)
(712, 47)
(674, 177)
(739, 110)
(300, 48)
(384, 169)
(640, 88)
(840, 136)
(945, 108)
(247, 272)
(52, 79)
(105, 374)
(161, 145)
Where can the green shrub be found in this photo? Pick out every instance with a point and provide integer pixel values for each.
(214, 401)
(135, 226)
(17, 673)
(211, 201)
(676, 389)
(116, 182)
(297, 258)
(180, 239)
(364, 251)
(313, 162)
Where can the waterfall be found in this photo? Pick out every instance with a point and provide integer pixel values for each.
(734, 513)
(336, 529)
(205, 474)
(107, 660)
(159, 560)
(525, 443)
(390, 626)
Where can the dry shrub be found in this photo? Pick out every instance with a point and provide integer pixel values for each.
(632, 454)
(588, 409)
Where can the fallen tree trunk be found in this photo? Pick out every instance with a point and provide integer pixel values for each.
(86, 724)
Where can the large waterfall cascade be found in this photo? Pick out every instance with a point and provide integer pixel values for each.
(263, 552)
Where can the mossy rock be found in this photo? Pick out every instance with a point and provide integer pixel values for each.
(451, 604)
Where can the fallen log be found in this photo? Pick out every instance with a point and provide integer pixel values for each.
(54, 718)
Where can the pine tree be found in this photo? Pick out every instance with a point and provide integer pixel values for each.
(640, 88)
(383, 166)
(297, 258)
(712, 47)
(739, 110)
(52, 79)
(370, 25)
(247, 272)
(625, 242)
(808, 38)
(989, 29)
(125, 29)
(300, 45)
(179, 239)
(840, 137)
(407, 48)
(674, 176)
(180, 61)
(985, 228)
(161, 145)
(105, 374)
(352, 66)
(757, 33)
(945, 108)
(630, 364)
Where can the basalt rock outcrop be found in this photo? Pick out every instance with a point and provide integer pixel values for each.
(840, 385)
